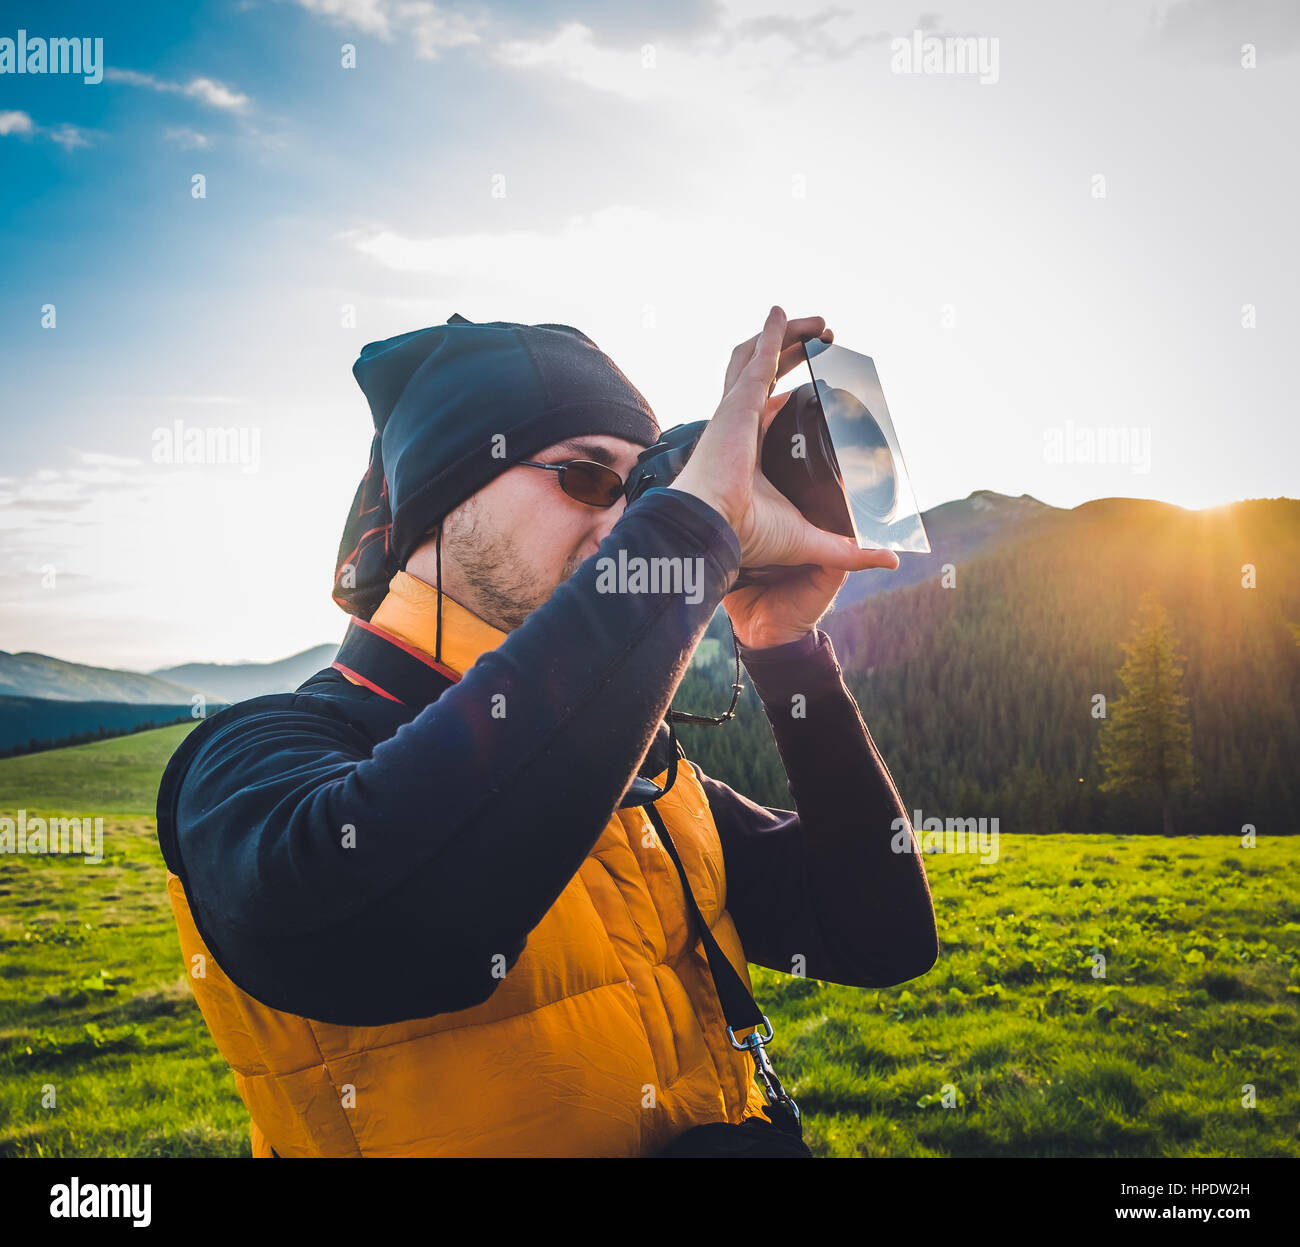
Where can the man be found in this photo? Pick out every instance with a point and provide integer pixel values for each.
(424, 909)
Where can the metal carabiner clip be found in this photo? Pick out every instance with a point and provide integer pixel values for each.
(756, 1045)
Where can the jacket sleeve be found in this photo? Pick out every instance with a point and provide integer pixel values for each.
(465, 826)
(827, 889)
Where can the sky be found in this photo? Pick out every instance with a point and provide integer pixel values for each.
(1072, 257)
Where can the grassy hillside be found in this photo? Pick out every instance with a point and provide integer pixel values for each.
(1036, 1056)
(117, 776)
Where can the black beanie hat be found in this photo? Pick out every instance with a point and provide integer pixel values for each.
(454, 406)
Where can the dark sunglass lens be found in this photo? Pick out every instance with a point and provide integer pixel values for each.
(592, 483)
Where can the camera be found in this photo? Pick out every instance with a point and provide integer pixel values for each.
(831, 450)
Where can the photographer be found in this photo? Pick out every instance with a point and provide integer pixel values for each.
(428, 918)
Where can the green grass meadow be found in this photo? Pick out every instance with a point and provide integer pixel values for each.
(1008, 1047)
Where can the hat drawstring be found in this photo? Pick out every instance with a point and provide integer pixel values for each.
(437, 556)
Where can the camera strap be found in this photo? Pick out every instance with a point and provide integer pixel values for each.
(390, 667)
(738, 1004)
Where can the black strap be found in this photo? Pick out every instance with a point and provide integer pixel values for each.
(738, 1006)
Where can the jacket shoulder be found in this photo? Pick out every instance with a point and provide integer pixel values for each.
(327, 696)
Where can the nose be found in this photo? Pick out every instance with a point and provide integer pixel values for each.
(606, 518)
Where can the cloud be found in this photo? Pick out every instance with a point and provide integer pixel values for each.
(36, 571)
(522, 251)
(69, 137)
(601, 45)
(71, 489)
(206, 90)
(15, 123)
(27, 502)
(97, 458)
(134, 79)
(224, 400)
(136, 545)
(617, 255)
(215, 94)
(629, 19)
(1216, 29)
(435, 30)
(187, 139)
(572, 52)
(743, 53)
(429, 27)
(66, 135)
(827, 35)
(370, 16)
(44, 513)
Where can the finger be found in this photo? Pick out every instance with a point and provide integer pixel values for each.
(739, 358)
(791, 357)
(771, 408)
(797, 332)
(767, 350)
(833, 550)
(742, 356)
(749, 394)
(804, 328)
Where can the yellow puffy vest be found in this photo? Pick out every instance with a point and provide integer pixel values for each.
(606, 1038)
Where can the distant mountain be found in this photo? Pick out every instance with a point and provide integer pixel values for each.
(240, 681)
(958, 531)
(45, 702)
(983, 697)
(39, 675)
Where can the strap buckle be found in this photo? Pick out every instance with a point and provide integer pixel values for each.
(756, 1045)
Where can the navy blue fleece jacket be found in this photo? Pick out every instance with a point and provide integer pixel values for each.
(468, 827)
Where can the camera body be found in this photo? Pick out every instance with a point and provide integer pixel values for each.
(798, 457)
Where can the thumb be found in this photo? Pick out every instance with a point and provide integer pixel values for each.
(834, 550)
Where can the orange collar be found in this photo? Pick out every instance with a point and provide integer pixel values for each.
(410, 612)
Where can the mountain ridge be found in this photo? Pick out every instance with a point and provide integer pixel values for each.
(987, 692)
(240, 681)
(30, 674)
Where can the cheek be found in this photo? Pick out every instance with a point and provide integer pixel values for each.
(581, 539)
(551, 532)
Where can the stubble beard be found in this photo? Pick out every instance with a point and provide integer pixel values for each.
(503, 590)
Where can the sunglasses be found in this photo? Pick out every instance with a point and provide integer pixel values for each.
(592, 483)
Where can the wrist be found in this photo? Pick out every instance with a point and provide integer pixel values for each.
(762, 640)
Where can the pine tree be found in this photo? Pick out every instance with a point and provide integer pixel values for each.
(1145, 742)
